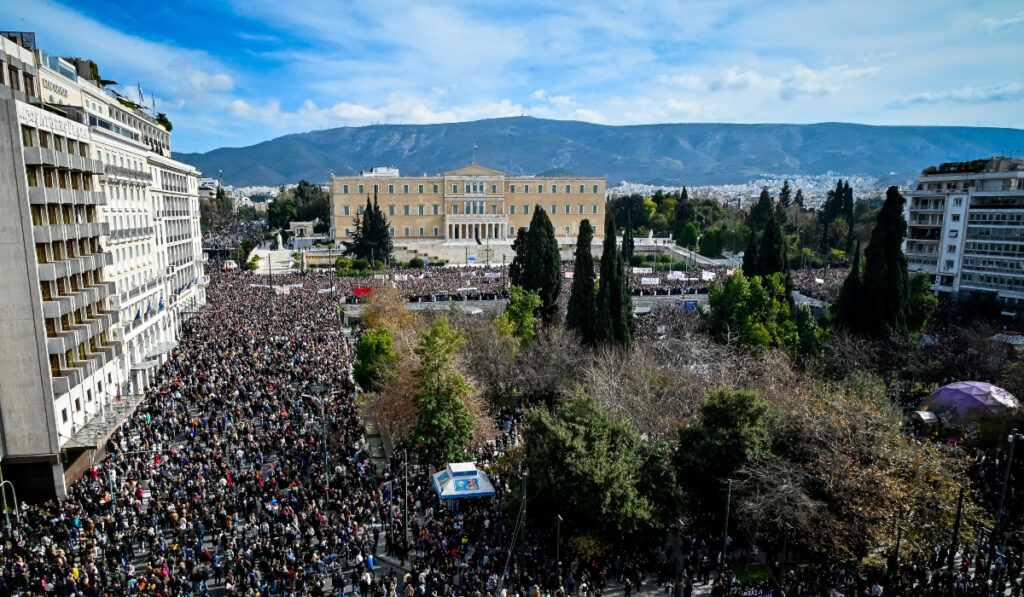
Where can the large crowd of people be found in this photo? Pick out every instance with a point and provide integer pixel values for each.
(245, 471)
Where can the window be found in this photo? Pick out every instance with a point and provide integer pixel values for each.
(540, 188)
(595, 228)
(567, 231)
(455, 208)
(361, 210)
(954, 233)
(593, 208)
(346, 210)
(344, 189)
(419, 189)
(494, 208)
(405, 231)
(568, 188)
(958, 201)
(30, 173)
(512, 209)
(956, 217)
(391, 189)
(376, 189)
(348, 232)
(949, 264)
(595, 188)
(511, 230)
(554, 209)
(64, 411)
(511, 188)
(435, 210)
(391, 231)
(421, 230)
(951, 248)
(526, 209)
(405, 212)
(435, 188)
(581, 189)
(391, 210)
(494, 189)
(405, 189)
(436, 231)
(360, 189)
(419, 211)
(568, 209)
(455, 188)
(581, 208)
(26, 136)
(526, 188)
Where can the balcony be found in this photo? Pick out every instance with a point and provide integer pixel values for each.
(129, 175)
(39, 156)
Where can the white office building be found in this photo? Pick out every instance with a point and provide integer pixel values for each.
(965, 228)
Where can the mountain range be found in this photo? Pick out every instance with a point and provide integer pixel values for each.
(668, 154)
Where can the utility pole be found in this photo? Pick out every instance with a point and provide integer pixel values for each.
(725, 530)
(522, 531)
(405, 517)
(558, 547)
(956, 528)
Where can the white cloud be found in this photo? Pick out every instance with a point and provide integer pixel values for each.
(538, 95)
(588, 116)
(734, 79)
(966, 95)
(562, 101)
(997, 24)
(801, 80)
(271, 110)
(691, 82)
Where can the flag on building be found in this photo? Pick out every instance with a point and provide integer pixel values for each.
(161, 303)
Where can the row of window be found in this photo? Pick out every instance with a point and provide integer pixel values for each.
(33, 137)
(469, 188)
(52, 177)
(406, 231)
(18, 80)
(477, 208)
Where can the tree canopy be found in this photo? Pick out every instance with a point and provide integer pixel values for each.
(371, 239)
(580, 311)
(614, 321)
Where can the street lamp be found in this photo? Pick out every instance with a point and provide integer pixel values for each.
(17, 512)
(1013, 437)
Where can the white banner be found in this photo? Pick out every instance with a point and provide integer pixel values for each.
(568, 275)
(401, 277)
(325, 290)
(674, 275)
(258, 286)
(380, 276)
(819, 281)
(706, 275)
(297, 285)
(492, 275)
(650, 281)
(282, 290)
(642, 270)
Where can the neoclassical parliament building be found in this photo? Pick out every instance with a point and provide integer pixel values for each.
(467, 204)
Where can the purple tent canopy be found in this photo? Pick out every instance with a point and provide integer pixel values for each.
(972, 407)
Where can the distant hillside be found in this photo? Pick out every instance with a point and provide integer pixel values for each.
(692, 154)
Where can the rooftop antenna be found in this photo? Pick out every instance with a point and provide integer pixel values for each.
(142, 98)
(475, 147)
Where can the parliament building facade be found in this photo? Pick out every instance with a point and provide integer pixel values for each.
(467, 204)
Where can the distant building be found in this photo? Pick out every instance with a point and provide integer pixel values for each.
(466, 204)
(965, 228)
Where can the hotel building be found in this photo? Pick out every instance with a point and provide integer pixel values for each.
(466, 204)
(965, 228)
(95, 281)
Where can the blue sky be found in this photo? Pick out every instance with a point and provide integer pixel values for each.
(236, 72)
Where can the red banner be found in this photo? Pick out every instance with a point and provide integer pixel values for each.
(362, 291)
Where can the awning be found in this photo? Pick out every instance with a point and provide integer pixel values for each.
(462, 480)
(144, 365)
(161, 348)
(96, 432)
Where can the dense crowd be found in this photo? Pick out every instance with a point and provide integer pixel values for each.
(232, 235)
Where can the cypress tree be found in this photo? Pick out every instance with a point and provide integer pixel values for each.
(683, 215)
(542, 265)
(799, 199)
(846, 310)
(579, 314)
(515, 269)
(848, 204)
(785, 194)
(772, 252)
(886, 282)
(627, 236)
(614, 321)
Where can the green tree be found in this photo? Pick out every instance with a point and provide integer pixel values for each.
(444, 424)
(540, 268)
(688, 238)
(752, 312)
(585, 465)
(581, 310)
(711, 243)
(921, 303)
(683, 215)
(846, 309)
(785, 195)
(281, 213)
(799, 199)
(883, 303)
(733, 429)
(515, 269)
(518, 319)
(371, 239)
(614, 321)
(766, 244)
(375, 354)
